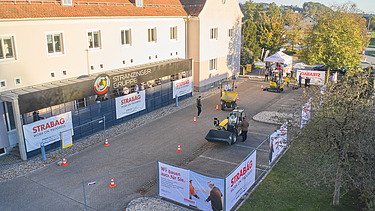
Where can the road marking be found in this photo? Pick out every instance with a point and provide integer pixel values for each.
(261, 134)
(224, 161)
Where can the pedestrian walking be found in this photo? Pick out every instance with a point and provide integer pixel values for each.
(266, 75)
(244, 128)
(199, 105)
(300, 80)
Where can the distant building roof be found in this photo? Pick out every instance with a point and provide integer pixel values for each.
(193, 7)
(24, 9)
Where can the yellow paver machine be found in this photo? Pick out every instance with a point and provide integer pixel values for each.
(228, 96)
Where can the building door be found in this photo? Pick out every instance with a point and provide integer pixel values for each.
(10, 123)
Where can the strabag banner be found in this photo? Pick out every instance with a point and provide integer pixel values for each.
(182, 87)
(239, 181)
(46, 130)
(317, 77)
(190, 188)
(278, 142)
(130, 104)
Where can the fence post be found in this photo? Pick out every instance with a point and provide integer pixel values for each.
(43, 151)
(176, 100)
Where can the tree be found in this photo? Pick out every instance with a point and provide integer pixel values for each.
(341, 131)
(296, 30)
(315, 9)
(337, 40)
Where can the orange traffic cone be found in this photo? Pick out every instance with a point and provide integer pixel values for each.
(64, 162)
(217, 107)
(178, 148)
(112, 184)
(238, 97)
(195, 119)
(106, 143)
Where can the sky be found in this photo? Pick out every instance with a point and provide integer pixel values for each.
(368, 6)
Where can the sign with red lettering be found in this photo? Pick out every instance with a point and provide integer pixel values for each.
(130, 104)
(278, 142)
(46, 131)
(316, 77)
(240, 181)
(182, 87)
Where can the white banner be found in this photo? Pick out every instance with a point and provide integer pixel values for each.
(316, 77)
(130, 104)
(182, 87)
(190, 188)
(278, 142)
(305, 115)
(174, 183)
(46, 130)
(239, 181)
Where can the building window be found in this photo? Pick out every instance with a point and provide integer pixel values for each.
(139, 3)
(64, 72)
(80, 103)
(213, 64)
(213, 33)
(152, 35)
(67, 2)
(173, 33)
(94, 39)
(230, 32)
(2, 84)
(54, 43)
(52, 75)
(17, 81)
(126, 37)
(7, 48)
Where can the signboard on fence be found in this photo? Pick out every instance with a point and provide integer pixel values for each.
(130, 104)
(190, 188)
(66, 139)
(46, 131)
(317, 77)
(305, 115)
(182, 87)
(239, 181)
(278, 142)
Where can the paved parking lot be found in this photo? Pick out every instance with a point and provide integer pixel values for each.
(131, 159)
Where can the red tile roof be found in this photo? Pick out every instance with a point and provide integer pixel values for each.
(19, 9)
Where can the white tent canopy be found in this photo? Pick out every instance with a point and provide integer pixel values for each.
(279, 57)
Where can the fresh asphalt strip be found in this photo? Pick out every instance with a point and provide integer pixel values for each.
(223, 161)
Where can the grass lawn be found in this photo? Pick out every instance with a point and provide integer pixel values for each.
(285, 188)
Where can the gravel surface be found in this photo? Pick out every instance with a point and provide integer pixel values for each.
(151, 204)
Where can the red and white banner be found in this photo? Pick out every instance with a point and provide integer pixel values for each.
(46, 131)
(182, 87)
(316, 77)
(130, 104)
(240, 181)
(278, 142)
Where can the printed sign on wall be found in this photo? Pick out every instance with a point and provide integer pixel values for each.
(46, 131)
(278, 142)
(182, 87)
(130, 104)
(239, 181)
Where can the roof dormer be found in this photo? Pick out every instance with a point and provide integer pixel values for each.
(67, 2)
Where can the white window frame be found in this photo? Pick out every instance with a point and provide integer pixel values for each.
(173, 35)
(152, 35)
(15, 81)
(61, 42)
(67, 2)
(139, 3)
(93, 42)
(214, 33)
(212, 64)
(2, 46)
(123, 37)
(230, 32)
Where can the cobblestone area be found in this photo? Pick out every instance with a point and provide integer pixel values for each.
(11, 166)
(152, 204)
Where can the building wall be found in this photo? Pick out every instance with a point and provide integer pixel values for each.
(33, 65)
(225, 49)
(193, 46)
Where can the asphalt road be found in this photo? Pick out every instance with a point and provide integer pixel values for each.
(132, 159)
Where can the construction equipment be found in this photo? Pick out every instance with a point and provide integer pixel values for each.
(227, 130)
(276, 84)
(228, 96)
